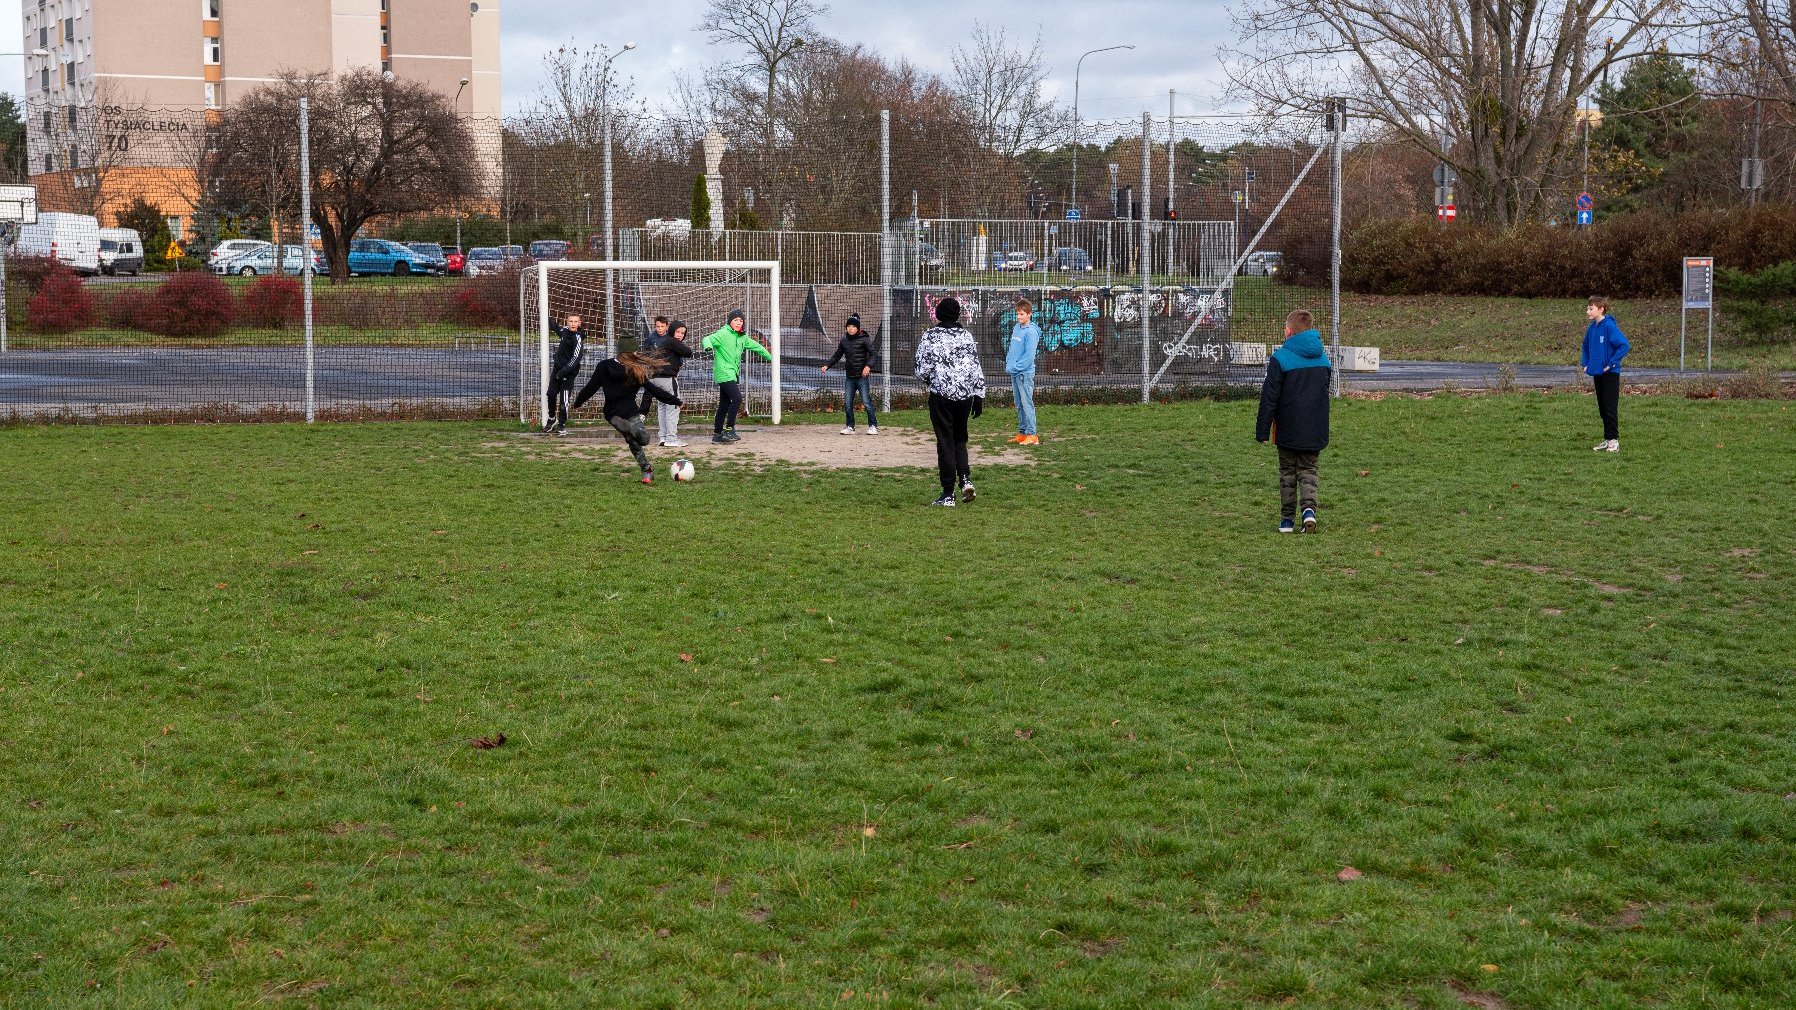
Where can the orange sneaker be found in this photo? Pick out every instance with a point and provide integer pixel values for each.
(1031, 440)
(1017, 439)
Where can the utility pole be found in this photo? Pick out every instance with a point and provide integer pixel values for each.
(1752, 175)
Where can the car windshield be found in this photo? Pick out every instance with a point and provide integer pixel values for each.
(485, 254)
(427, 248)
(108, 245)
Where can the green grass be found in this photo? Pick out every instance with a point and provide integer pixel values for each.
(1102, 739)
(1543, 331)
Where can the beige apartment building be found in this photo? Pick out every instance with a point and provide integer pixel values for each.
(115, 110)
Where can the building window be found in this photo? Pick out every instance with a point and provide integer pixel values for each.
(49, 166)
(386, 34)
(72, 114)
(386, 66)
(211, 95)
(44, 79)
(47, 126)
(43, 36)
(74, 157)
(68, 30)
(214, 52)
(209, 9)
(68, 74)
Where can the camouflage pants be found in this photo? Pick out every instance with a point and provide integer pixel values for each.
(1296, 481)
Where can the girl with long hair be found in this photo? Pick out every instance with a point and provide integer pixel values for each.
(623, 379)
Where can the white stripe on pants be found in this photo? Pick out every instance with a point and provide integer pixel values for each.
(667, 416)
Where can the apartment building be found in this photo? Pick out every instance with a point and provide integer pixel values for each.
(127, 84)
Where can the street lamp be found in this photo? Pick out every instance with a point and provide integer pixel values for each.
(456, 101)
(1074, 203)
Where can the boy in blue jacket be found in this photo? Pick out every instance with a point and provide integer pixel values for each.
(1604, 347)
(1019, 362)
(1294, 414)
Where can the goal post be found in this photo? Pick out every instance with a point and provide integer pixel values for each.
(622, 296)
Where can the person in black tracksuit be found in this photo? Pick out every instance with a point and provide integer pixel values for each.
(1294, 414)
(622, 379)
(564, 369)
(857, 347)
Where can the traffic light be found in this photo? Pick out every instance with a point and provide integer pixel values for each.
(1171, 212)
(1125, 207)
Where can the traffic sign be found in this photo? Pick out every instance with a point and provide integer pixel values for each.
(1072, 213)
(1053, 229)
(1444, 175)
(1586, 201)
(1583, 217)
(1250, 175)
(312, 232)
(1446, 212)
(173, 252)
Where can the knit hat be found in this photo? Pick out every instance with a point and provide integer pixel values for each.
(736, 314)
(947, 311)
(854, 320)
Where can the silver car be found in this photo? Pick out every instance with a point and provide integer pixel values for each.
(260, 262)
(1264, 264)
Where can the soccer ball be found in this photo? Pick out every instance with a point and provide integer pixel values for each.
(682, 470)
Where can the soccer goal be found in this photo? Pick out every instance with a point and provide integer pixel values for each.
(618, 301)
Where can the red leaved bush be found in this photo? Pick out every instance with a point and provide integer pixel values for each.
(62, 304)
(30, 272)
(192, 305)
(490, 299)
(271, 303)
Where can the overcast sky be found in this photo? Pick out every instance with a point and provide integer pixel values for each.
(1175, 43)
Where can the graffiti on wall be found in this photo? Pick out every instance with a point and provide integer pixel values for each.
(1065, 322)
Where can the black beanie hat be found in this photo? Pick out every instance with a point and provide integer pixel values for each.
(947, 312)
(854, 320)
(735, 314)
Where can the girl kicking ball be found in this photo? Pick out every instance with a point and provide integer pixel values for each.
(623, 379)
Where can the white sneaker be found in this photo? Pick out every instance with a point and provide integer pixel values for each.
(1613, 445)
(847, 431)
(673, 443)
(1602, 446)
(873, 430)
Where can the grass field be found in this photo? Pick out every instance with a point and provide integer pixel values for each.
(786, 737)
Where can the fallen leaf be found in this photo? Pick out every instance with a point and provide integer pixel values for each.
(1348, 873)
(685, 657)
(1078, 487)
(439, 532)
(1489, 967)
(1365, 473)
(302, 553)
(869, 831)
(222, 585)
(828, 659)
(314, 526)
(489, 742)
(422, 697)
(1024, 734)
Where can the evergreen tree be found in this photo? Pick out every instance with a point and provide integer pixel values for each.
(146, 219)
(701, 205)
(12, 138)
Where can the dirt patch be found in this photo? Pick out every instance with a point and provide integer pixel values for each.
(1743, 552)
(1099, 948)
(1599, 586)
(1630, 916)
(1479, 998)
(803, 445)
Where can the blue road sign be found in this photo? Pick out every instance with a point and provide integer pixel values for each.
(1586, 201)
(1583, 217)
(1072, 214)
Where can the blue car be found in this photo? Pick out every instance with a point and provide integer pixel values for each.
(379, 256)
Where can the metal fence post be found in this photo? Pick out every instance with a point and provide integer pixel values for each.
(610, 253)
(5, 241)
(1337, 117)
(885, 256)
(305, 218)
(1147, 256)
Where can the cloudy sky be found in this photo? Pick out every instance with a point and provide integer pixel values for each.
(1175, 43)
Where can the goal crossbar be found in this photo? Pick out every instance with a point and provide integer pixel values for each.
(772, 268)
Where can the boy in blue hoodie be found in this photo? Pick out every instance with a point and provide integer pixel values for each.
(1294, 415)
(1019, 362)
(1604, 347)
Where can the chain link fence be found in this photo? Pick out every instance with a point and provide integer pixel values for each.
(1160, 255)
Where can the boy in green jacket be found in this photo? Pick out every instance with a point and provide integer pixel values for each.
(726, 347)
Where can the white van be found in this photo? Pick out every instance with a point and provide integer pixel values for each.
(73, 239)
(121, 251)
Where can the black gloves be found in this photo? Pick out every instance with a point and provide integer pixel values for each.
(978, 405)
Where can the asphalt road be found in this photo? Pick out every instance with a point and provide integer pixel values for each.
(84, 381)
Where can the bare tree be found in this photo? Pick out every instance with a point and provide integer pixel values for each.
(380, 147)
(1771, 28)
(773, 31)
(1489, 86)
(1000, 85)
(566, 123)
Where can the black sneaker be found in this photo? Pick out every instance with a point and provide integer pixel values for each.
(945, 501)
(720, 439)
(730, 435)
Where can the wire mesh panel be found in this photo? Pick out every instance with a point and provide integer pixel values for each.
(700, 295)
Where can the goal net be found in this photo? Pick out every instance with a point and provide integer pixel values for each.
(618, 301)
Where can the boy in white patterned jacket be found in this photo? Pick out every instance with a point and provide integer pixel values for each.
(948, 360)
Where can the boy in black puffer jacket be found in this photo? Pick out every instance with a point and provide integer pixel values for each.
(1294, 414)
(857, 347)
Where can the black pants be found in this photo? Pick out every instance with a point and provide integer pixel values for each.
(729, 404)
(635, 436)
(949, 419)
(1608, 401)
(559, 390)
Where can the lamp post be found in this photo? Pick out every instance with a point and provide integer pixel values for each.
(1077, 66)
(456, 101)
(605, 126)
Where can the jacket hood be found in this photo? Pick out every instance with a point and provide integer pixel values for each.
(675, 327)
(1307, 344)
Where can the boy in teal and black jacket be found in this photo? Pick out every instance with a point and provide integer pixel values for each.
(1294, 415)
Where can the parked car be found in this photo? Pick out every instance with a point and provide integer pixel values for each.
(1017, 261)
(1264, 264)
(260, 262)
(1070, 258)
(512, 252)
(432, 252)
(71, 239)
(380, 256)
(549, 249)
(928, 257)
(672, 227)
(484, 259)
(230, 249)
(121, 251)
(453, 260)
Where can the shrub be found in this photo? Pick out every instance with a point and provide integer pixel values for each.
(272, 303)
(132, 308)
(490, 299)
(192, 305)
(62, 304)
(30, 272)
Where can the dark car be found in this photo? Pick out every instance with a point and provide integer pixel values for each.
(549, 249)
(439, 261)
